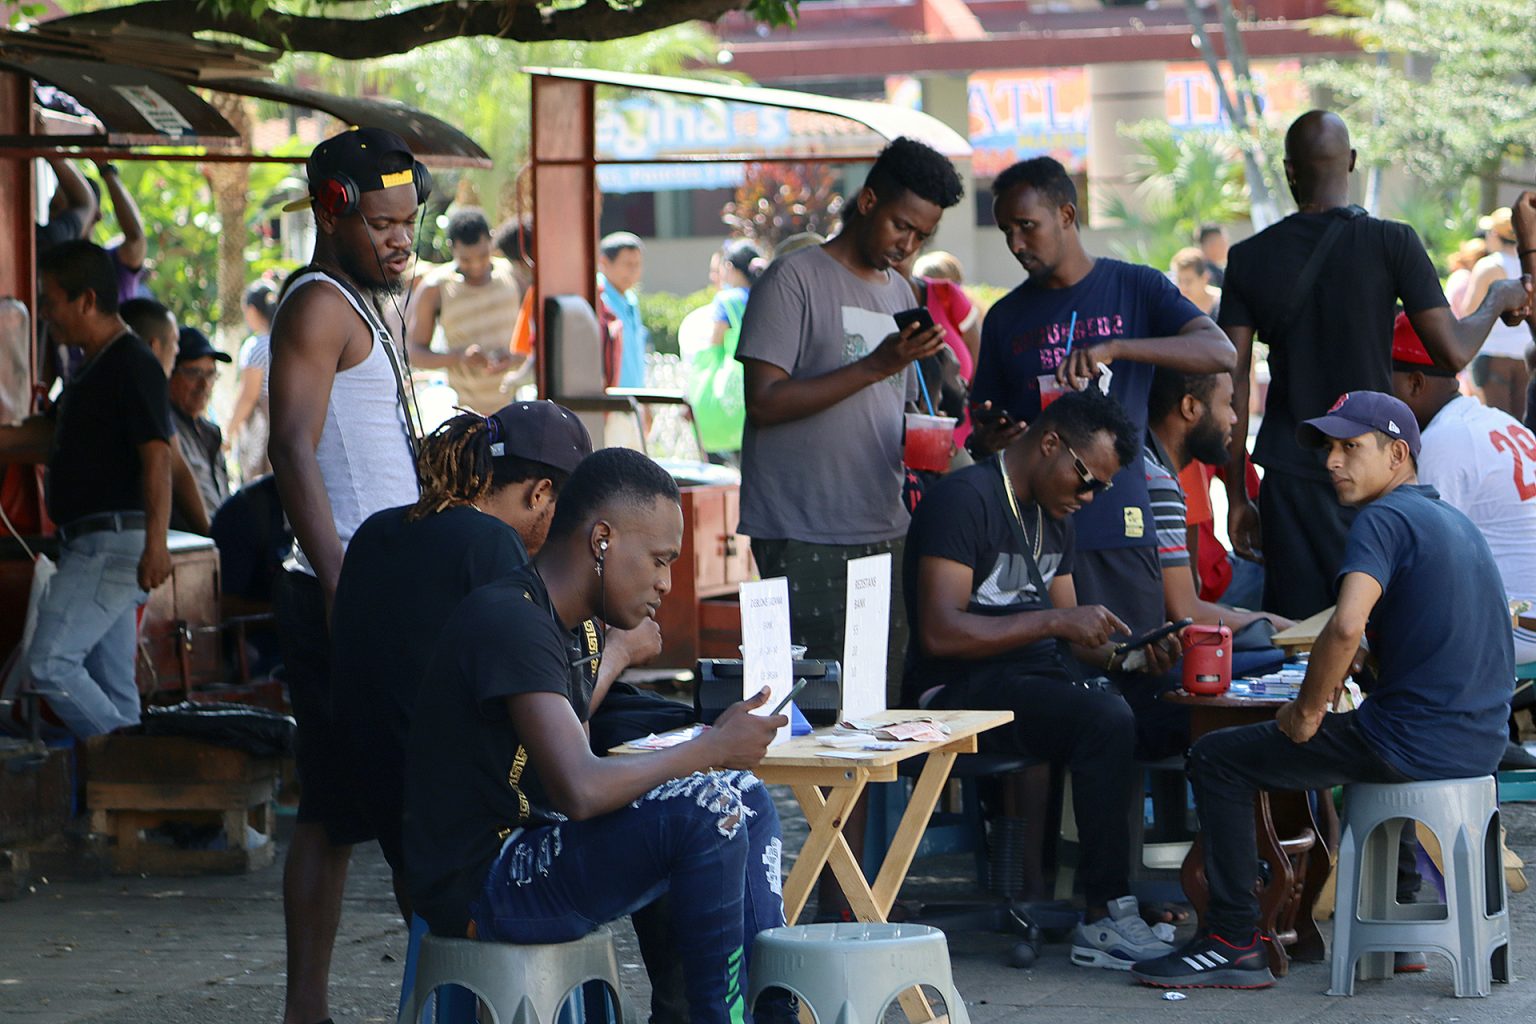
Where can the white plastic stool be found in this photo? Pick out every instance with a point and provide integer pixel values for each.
(850, 973)
(1472, 929)
(520, 984)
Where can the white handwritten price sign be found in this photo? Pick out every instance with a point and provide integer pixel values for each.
(866, 636)
(765, 643)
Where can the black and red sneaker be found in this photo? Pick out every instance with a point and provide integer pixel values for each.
(1209, 962)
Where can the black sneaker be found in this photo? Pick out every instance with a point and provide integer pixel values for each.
(1209, 962)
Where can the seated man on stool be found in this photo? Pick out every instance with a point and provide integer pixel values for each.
(515, 831)
(984, 543)
(1419, 581)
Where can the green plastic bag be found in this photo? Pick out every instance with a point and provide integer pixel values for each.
(716, 389)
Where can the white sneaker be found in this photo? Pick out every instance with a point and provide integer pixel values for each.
(1118, 941)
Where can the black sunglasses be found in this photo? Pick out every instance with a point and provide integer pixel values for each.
(1091, 484)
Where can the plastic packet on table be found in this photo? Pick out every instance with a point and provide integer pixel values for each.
(856, 741)
(913, 730)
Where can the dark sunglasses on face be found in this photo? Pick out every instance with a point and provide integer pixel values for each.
(1090, 483)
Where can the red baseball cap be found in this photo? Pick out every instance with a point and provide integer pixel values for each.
(1408, 351)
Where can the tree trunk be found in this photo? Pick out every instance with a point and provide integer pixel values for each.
(230, 183)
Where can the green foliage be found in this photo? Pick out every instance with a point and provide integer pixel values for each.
(176, 206)
(476, 86)
(984, 296)
(1444, 219)
(663, 312)
(1474, 109)
(1183, 178)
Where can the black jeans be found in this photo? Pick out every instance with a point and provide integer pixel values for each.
(1230, 766)
(1093, 733)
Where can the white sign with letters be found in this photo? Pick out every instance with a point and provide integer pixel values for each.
(155, 109)
(765, 644)
(866, 636)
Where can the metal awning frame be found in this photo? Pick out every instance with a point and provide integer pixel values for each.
(885, 121)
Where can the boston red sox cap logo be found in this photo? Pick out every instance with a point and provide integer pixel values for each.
(1340, 403)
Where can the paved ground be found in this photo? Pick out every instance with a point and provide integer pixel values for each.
(169, 951)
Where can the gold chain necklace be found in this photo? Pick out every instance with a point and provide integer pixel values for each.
(1013, 503)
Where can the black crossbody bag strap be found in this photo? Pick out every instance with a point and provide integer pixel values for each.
(1314, 266)
(1026, 549)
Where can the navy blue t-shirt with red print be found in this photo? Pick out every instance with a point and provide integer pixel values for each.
(1025, 336)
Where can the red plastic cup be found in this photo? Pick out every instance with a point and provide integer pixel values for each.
(929, 443)
(1050, 389)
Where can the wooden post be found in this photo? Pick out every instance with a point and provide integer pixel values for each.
(17, 234)
(563, 160)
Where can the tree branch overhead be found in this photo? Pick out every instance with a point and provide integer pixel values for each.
(360, 39)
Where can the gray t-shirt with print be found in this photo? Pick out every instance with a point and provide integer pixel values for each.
(834, 477)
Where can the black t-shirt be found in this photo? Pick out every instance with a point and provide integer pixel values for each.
(469, 781)
(399, 583)
(965, 518)
(1340, 339)
(115, 403)
(253, 539)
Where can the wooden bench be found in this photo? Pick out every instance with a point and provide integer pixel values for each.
(139, 783)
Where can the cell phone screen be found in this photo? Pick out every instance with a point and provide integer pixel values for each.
(919, 316)
(1157, 634)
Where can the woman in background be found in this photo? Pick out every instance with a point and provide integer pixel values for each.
(248, 425)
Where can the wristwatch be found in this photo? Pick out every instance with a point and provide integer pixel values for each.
(110, 169)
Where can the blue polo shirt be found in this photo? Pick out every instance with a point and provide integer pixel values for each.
(626, 306)
(1440, 634)
(1025, 335)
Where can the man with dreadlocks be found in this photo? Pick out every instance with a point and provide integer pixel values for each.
(488, 490)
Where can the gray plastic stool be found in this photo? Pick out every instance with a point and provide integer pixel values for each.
(1370, 925)
(520, 984)
(850, 973)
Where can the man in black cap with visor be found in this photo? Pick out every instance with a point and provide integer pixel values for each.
(1437, 704)
(342, 448)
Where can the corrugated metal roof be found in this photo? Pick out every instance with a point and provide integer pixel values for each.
(434, 141)
(136, 106)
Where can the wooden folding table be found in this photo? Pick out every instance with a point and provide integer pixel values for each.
(808, 767)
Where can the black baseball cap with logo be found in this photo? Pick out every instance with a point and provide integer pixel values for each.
(539, 432)
(360, 155)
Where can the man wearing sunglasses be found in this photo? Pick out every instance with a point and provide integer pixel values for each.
(1075, 314)
(996, 624)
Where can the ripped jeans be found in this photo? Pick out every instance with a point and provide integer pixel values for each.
(711, 839)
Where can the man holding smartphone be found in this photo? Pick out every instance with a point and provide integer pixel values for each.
(1075, 314)
(996, 624)
(828, 377)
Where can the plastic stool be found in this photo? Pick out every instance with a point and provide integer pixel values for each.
(1370, 925)
(520, 984)
(850, 973)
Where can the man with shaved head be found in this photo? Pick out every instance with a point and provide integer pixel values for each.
(1321, 289)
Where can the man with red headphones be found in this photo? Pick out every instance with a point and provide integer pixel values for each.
(342, 448)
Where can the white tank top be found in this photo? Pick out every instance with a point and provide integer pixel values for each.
(365, 447)
(1504, 340)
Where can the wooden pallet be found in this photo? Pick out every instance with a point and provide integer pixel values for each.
(139, 783)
